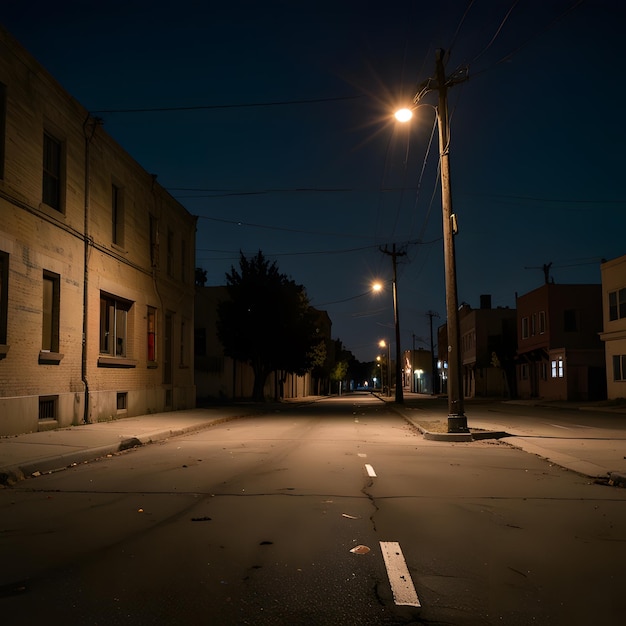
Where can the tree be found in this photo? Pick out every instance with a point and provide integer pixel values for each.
(267, 322)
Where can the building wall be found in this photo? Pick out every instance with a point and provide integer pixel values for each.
(614, 330)
(71, 250)
(560, 355)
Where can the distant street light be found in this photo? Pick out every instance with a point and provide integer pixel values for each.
(385, 344)
(457, 422)
(396, 321)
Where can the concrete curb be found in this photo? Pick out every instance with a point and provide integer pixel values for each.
(12, 474)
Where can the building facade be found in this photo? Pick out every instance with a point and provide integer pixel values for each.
(96, 266)
(614, 325)
(488, 349)
(560, 354)
(488, 343)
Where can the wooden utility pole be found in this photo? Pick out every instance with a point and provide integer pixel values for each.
(457, 422)
(394, 254)
(433, 360)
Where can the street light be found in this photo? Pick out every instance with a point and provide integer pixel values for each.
(385, 344)
(396, 322)
(457, 421)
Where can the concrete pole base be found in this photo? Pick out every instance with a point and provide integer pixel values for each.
(457, 424)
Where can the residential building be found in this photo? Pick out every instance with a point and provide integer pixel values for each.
(560, 354)
(488, 343)
(96, 266)
(614, 325)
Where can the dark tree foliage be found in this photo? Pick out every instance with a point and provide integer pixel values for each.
(267, 322)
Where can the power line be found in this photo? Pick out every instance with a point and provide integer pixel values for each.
(240, 105)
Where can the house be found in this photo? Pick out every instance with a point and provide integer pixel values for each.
(488, 342)
(96, 266)
(219, 377)
(614, 325)
(559, 352)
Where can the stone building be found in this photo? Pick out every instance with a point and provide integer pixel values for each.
(96, 266)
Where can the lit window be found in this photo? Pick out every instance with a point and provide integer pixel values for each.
(557, 368)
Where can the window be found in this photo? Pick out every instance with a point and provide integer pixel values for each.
(113, 326)
(3, 117)
(154, 241)
(542, 322)
(48, 407)
(619, 367)
(52, 171)
(151, 317)
(170, 253)
(183, 261)
(51, 312)
(117, 215)
(122, 401)
(4, 295)
(183, 343)
(617, 304)
(570, 324)
(533, 324)
(557, 368)
(524, 328)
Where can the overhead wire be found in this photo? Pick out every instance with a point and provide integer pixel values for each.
(239, 105)
(515, 51)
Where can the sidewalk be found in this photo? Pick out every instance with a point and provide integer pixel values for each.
(598, 452)
(27, 455)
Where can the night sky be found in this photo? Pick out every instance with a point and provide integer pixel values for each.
(278, 133)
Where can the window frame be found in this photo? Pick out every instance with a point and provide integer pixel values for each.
(53, 174)
(557, 367)
(117, 215)
(114, 312)
(619, 368)
(525, 328)
(51, 312)
(151, 334)
(4, 297)
(617, 304)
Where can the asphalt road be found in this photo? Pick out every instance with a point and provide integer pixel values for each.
(253, 522)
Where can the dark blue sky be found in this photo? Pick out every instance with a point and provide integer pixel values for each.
(536, 151)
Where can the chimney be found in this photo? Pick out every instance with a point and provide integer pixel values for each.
(485, 301)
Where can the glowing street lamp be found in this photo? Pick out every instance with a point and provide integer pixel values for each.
(457, 422)
(385, 344)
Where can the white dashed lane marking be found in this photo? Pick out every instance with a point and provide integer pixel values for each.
(370, 470)
(399, 578)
